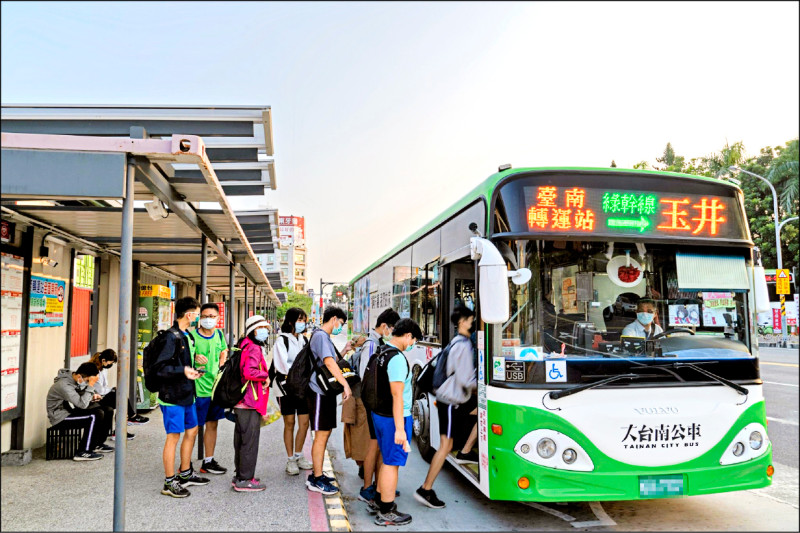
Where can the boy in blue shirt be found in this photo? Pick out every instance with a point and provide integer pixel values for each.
(392, 418)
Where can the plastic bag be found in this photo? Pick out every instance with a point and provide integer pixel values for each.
(273, 412)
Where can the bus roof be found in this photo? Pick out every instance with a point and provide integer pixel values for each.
(485, 188)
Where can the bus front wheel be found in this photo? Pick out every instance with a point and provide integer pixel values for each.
(422, 427)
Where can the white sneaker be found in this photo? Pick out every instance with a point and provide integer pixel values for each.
(291, 467)
(304, 464)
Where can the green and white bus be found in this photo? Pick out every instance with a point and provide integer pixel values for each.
(569, 407)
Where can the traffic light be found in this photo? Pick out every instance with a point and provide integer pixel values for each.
(338, 293)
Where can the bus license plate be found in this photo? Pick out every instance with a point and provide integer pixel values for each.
(660, 486)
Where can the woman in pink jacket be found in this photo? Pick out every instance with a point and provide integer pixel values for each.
(255, 374)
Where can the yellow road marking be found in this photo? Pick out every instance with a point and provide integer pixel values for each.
(779, 364)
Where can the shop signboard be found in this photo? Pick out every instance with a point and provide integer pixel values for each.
(46, 302)
(11, 334)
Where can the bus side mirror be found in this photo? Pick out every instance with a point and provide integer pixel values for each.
(494, 280)
(760, 289)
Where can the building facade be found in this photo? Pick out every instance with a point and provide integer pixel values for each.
(291, 257)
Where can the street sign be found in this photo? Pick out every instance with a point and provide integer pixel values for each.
(782, 281)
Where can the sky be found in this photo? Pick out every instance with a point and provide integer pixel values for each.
(384, 114)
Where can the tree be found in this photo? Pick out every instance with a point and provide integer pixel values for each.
(335, 298)
(643, 165)
(671, 162)
(719, 164)
(294, 299)
(613, 164)
(783, 174)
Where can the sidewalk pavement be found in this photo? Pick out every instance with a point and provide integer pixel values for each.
(79, 496)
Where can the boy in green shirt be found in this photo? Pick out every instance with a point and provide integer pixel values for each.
(210, 353)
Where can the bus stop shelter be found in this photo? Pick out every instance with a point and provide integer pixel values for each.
(145, 189)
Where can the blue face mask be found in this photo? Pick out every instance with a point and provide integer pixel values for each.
(337, 330)
(299, 327)
(409, 348)
(262, 334)
(645, 318)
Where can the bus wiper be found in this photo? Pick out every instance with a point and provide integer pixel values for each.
(738, 388)
(555, 395)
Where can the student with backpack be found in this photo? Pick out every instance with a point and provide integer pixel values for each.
(454, 382)
(168, 370)
(378, 336)
(210, 353)
(253, 406)
(387, 392)
(289, 343)
(322, 407)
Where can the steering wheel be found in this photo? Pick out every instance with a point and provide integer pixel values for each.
(667, 332)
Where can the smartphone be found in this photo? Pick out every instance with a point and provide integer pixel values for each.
(201, 370)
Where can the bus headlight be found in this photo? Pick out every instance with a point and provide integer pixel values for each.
(738, 450)
(547, 443)
(546, 448)
(569, 456)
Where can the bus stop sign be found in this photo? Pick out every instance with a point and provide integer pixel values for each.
(782, 281)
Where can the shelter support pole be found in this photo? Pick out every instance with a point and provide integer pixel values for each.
(231, 302)
(203, 299)
(124, 347)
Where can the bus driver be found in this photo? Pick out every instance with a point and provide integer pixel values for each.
(644, 325)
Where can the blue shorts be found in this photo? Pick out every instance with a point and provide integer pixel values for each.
(178, 418)
(393, 454)
(207, 411)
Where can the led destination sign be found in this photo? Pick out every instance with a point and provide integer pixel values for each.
(576, 210)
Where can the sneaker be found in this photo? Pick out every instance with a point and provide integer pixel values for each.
(104, 448)
(392, 518)
(248, 485)
(138, 420)
(192, 479)
(320, 484)
(212, 467)
(373, 507)
(367, 495)
(131, 436)
(305, 464)
(87, 456)
(428, 497)
(291, 467)
(175, 489)
(471, 457)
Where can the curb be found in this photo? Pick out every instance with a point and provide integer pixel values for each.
(334, 506)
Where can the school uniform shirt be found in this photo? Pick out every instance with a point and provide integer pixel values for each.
(399, 370)
(636, 329)
(211, 347)
(321, 348)
(369, 347)
(284, 358)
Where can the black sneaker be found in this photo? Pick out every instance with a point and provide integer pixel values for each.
(212, 467)
(103, 448)
(192, 479)
(428, 497)
(138, 420)
(175, 489)
(392, 518)
(87, 456)
(471, 457)
(113, 436)
(373, 507)
(320, 484)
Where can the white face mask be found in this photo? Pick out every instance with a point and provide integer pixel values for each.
(208, 323)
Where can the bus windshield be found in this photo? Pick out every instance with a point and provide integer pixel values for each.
(622, 301)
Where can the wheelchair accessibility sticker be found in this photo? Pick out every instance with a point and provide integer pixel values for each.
(556, 371)
(527, 353)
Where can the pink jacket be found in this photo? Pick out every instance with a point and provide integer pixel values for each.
(255, 373)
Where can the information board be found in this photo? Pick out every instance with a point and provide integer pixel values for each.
(46, 302)
(11, 295)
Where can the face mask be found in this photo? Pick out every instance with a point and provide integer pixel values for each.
(194, 322)
(645, 318)
(470, 304)
(337, 330)
(208, 323)
(262, 334)
(409, 348)
(299, 327)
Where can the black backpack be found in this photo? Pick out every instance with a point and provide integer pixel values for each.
(440, 369)
(229, 387)
(375, 391)
(300, 372)
(275, 376)
(150, 356)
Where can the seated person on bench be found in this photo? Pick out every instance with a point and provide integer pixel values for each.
(67, 407)
(644, 325)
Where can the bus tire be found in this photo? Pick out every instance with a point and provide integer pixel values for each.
(422, 427)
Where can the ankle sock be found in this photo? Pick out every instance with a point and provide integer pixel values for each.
(169, 479)
(208, 459)
(385, 507)
(186, 473)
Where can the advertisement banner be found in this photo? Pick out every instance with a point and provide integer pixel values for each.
(46, 302)
(221, 320)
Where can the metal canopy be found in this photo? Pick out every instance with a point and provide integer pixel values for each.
(179, 234)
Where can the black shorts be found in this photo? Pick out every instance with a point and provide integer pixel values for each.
(371, 425)
(291, 404)
(321, 411)
(455, 420)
